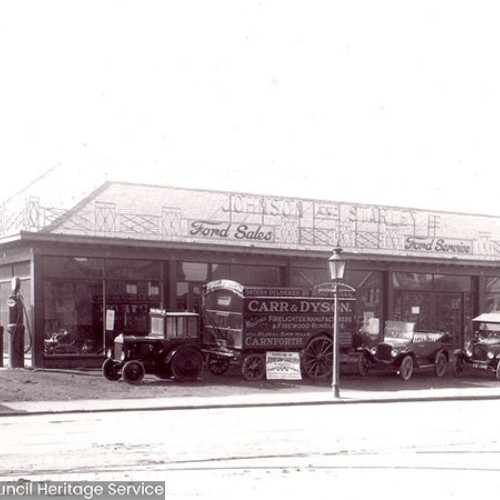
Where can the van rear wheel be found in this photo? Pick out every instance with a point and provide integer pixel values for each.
(318, 358)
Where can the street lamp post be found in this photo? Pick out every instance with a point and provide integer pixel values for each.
(336, 264)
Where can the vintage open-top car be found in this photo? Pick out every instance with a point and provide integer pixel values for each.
(404, 349)
(483, 351)
(171, 349)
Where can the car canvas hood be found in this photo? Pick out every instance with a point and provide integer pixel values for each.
(489, 342)
(397, 343)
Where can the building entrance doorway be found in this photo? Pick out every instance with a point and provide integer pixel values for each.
(436, 311)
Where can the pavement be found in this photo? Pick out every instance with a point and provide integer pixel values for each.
(354, 391)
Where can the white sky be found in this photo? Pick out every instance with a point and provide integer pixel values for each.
(387, 102)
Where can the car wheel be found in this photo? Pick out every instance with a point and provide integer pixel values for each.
(133, 372)
(110, 370)
(363, 365)
(254, 367)
(497, 371)
(440, 364)
(458, 366)
(406, 368)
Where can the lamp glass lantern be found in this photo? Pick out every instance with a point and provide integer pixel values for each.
(337, 265)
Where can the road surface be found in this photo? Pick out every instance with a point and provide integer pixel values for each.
(379, 450)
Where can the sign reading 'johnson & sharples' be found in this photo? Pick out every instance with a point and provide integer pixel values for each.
(440, 245)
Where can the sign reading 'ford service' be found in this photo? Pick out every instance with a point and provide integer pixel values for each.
(440, 245)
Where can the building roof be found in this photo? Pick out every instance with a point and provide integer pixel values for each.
(120, 210)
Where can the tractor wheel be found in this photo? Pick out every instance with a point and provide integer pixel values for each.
(318, 358)
(440, 364)
(217, 365)
(187, 364)
(254, 367)
(406, 368)
(110, 370)
(133, 372)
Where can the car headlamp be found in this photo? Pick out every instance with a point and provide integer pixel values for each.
(373, 350)
(394, 353)
(109, 353)
(123, 356)
(469, 353)
(490, 355)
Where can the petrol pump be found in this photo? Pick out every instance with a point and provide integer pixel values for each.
(16, 325)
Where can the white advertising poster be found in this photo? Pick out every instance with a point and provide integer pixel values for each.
(283, 366)
(110, 319)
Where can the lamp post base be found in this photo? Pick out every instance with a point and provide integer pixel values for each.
(336, 391)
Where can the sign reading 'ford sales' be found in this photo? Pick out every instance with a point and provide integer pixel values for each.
(231, 231)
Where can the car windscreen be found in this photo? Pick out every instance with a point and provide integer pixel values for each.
(400, 330)
(488, 330)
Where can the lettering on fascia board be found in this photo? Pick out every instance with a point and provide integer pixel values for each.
(260, 205)
(443, 245)
(231, 231)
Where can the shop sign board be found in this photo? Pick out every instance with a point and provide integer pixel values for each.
(438, 245)
(229, 231)
(289, 322)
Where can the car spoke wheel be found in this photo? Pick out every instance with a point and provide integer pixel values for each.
(110, 370)
(133, 372)
(217, 365)
(406, 368)
(318, 358)
(497, 371)
(363, 365)
(440, 364)
(458, 366)
(254, 367)
(187, 364)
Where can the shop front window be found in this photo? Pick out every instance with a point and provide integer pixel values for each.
(72, 267)
(73, 319)
(307, 277)
(192, 271)
(369, 306)
(434, 302)
(491, 296)
(413, 281)
(256, 275)
(132, 288)
(88, 302)
(127, 304)
(221, 271)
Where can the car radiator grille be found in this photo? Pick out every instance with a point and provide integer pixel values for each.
(118, 350)
(480, 352)
(384, 352)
